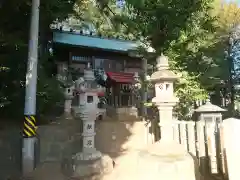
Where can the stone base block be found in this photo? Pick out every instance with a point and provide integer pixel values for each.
(161, 161)
(166, 161)
(88, 155)
(92, 169)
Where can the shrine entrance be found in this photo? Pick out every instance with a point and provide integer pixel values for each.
(119, 95)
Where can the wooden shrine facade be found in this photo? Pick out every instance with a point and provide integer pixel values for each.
(75, 51)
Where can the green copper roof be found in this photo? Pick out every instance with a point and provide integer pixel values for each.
(93, 42)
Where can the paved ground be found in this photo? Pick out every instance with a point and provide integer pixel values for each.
(125, 163)
(119, 140)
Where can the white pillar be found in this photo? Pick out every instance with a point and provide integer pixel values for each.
(89, 151)
(165, 117)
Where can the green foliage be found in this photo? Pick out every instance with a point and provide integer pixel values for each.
(104, 16)
(188, 89)
(49, 93)
(192, 33)
(183, 31)
(14, 27)
(12, 83)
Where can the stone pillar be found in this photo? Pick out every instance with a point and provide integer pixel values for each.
(89, 161)
(232, 147)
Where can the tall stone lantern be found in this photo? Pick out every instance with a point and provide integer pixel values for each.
(165, 159)
(89, 161)
(87, 112)
(164, 98)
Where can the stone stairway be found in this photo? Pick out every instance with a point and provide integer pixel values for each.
(121, 139)
(118, 137)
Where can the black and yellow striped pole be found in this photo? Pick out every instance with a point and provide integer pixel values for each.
(29, 124)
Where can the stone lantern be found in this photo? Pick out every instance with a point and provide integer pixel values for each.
(68, 95)
(136, 78)
(208, 125)
(210, 113)
(135, 95)
(165, 159)
(89, 161)
(88, 112)
(164, 98)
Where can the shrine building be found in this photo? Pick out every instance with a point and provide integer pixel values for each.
(74, 50)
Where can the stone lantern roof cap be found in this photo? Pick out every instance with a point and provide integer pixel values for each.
(209, 107)
(163, 72)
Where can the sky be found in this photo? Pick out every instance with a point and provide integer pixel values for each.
(233, 1)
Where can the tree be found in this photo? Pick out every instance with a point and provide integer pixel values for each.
(101, 17)
(14, 29)
(227, 38)
(183, 31)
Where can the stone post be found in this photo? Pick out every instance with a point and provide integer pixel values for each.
(232, 147)
(90, 161)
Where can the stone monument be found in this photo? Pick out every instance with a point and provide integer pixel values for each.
(165, 159)
(90, 161)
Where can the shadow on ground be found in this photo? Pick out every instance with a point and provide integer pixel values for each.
(61, 140)
(117, 137)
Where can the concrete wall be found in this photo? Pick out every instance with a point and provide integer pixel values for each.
(10, 153)
(62, 139)
(57, 142)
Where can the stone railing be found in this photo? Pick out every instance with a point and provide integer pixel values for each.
(213, 142)
(205, 142)
(215, 145)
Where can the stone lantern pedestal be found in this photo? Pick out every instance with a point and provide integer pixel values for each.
(90, 163)
(166, 159)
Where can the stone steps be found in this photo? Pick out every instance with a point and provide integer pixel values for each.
(118, 137)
